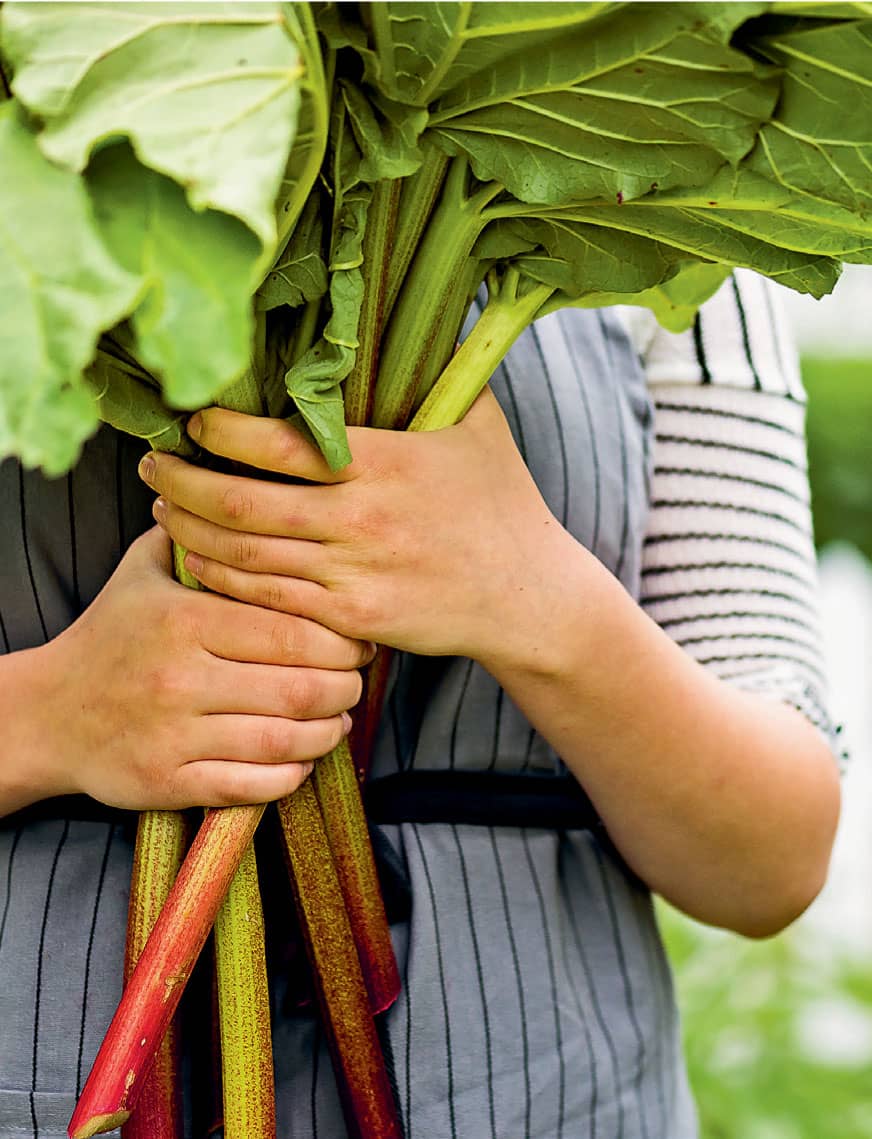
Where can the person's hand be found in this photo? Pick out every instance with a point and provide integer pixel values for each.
(160, 696)
(435, 543)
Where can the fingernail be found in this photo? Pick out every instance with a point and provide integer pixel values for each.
(308, 768)
(159, 509)
(346, 722)
(195, 425)
(373, 648)
(194, 564)
(147, 467)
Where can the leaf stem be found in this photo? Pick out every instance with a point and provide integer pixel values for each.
(431, 282)
(510, 308)
(377, 250)
(361, 1077)
(338, 792)
(243, 1008)
(155, 988)
(418, 196)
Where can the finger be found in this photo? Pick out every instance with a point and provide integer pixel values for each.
(270, 690)
(262, 636)
(269, 444)
(223, 783)
(269, 591)
(258, 553)
(268, 739)
(241, 503)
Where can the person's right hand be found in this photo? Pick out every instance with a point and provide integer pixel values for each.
(161, 696)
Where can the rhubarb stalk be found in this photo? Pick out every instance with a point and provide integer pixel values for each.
(361, 1077)
(338, 793)
(155, 988)
(160, 847)
(243, 1007)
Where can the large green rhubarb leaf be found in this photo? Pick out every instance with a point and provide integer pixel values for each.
(206, 93)
(59, 289)
(194, 325)
(819, 142)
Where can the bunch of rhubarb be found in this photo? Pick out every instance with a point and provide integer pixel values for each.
(286, 209)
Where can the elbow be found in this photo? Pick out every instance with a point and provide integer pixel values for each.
(780, 912)
(797, 878)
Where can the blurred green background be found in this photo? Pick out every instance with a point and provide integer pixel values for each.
(779, 1033)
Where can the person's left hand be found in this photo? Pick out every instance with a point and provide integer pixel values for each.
(435, 543)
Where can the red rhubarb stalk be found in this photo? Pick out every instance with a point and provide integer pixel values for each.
(368, 711)
(160, 847)
(361, 1077)
(338, 793)
(243, 1006)
(155, 988)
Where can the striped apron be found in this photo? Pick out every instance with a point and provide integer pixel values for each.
(537, 1001)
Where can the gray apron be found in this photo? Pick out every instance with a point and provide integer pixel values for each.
(537, 1001)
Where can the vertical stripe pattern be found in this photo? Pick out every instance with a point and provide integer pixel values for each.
(537, 1002)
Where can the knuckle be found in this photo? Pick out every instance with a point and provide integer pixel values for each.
(167, 685)
(286, 641)
(300, 692)
(276, 742)
(269, 593)
(242, 550)
(228, 789)
(288, 445)
(235, 504)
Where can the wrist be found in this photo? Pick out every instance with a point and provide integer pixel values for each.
(31, 766)
(542, 633)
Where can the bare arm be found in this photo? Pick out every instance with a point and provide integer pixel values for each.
(723, 802)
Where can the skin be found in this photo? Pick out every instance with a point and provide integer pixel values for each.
(723, 802)
(207, 702)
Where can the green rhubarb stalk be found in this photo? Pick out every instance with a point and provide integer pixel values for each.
(377, 245)
(160, 847)
(417, 199)
(153, 992)
(361, 1077)
(428, 288)
(246, 1046)
(338, 793)
(513, 303)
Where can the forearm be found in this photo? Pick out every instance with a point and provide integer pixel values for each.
(724, 803)
(28, 770)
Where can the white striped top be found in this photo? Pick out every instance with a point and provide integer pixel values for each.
(729, 568)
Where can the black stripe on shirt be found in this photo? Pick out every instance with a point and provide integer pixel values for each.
(721, 591)
(727, 476)
(618, 941)
(39, 965)
(516, 965)
(758, 567)
(558, 426)
(740, 615)
(479, 972)
(719, 536)
(26, 546)
(743, 325)
(736, 416)
(442, 987)
(100, 882)
(699, 348)
(592, 435)
(753, 511)
(15, 840)
(736, 448)
(552, 979)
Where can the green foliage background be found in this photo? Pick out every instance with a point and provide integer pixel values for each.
(761, 1064)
